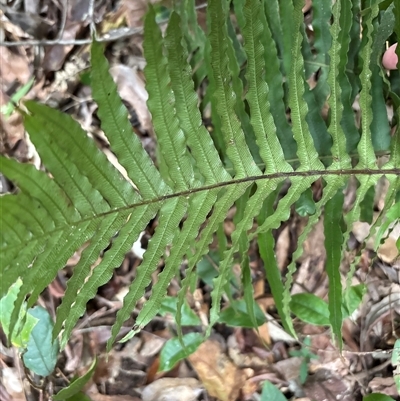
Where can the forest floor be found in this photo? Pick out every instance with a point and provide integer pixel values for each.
(235, 361)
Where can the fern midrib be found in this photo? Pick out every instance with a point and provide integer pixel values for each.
(310, 173)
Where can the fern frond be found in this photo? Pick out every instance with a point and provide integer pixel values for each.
(82, 203)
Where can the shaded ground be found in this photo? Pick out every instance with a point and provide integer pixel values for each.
(234, 363)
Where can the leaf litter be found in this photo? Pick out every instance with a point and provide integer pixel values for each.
(234, 364)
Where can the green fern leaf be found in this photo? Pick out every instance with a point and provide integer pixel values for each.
(81, 202)
(333, 242)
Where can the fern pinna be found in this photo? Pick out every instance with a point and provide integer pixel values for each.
(82, 202)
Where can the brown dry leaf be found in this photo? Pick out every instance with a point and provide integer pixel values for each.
(131, 88)
(55, 55)
(95, 396)
(134, 11)
(289, 368)
(12, 383)
(392, 273)
(30, 23)
(323, 386)
(172, 389)
(13, 67)
(307, 6)
(76, 19)
(259, 287)
(276, 332)
(388, 251)
(283, 248)
(11, 131)
(249, 388)
(219, 375)
(311, 274)
(384, 385)
(263, 332)
(247, 359)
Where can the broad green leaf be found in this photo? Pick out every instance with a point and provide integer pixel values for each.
(310, 309)
(173, 352)
(206, 268)
(353, 298)
(26, 322)
(305, 205)
(237, 315)
(169, 305)
(271, 392)
(41, 351)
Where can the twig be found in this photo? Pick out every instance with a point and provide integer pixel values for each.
(90, 16)
(63, 19)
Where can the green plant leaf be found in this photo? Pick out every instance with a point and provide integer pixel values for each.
(237, 315)
(173, 352)
(26, 322)
(206, 268)
(353, 298)
(305, 205)
(169, 305)
(8, 108)
(271, 392)
(311, 309)
(76, 386)
(41, 351)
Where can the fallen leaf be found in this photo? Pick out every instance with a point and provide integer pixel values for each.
(12, 383)
(384, 385)
(172, 389)
(219, 375)
(323, 386)
(131, 88)
(13, 67)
